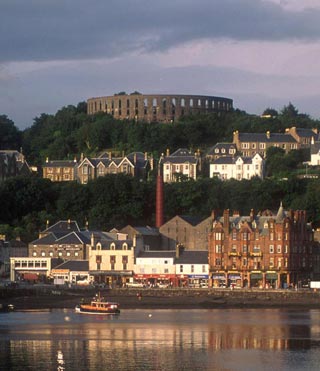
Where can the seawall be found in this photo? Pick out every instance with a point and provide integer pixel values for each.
(49, 298)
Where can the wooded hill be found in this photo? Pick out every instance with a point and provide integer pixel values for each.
(116, 200)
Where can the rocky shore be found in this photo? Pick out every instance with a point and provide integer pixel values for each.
(50, 298)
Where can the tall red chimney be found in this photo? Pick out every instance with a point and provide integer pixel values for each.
(159, 197)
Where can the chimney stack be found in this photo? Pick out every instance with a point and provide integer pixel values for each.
(159, 196)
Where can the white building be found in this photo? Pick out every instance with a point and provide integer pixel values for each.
(192, 268)
(181, 163)
(315, 153)
(154, 267)
(237, 167)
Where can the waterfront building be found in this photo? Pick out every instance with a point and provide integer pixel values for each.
(71, 272)
(263, 250)
(63, 240)
(165, 108)
(192, 268)
(191, 232)
(155, 267)
(111, 258)
(238, 168)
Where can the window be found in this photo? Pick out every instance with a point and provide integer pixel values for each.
(43, 253)
(271, 249)
(218, 236)
(124, 262)
(203, 269)
(244, 262)
(112, 261)
(279, 249)
(34, 253)
(181, 268)
(245, 248)
(271, 263)
(218, 248)
(192, 268)
(218, 261)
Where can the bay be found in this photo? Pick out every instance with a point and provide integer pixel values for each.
(215, 339)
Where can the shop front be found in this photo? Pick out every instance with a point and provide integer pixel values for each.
(219, 280)
(111, 279)
(234, 280)
(271, 280)
(198, 280)
(156, 280)
(256, 279)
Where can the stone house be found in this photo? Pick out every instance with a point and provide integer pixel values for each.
(251, 143)
(13, 163)
(60, 171)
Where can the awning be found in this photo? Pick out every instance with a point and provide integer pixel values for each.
(30, 276)
(218, 276)
(234, 276)
(204, 276)
(112, 273)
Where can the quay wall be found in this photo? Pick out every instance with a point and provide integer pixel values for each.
(48, 298)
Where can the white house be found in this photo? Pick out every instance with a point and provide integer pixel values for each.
(180, 163)
(192, 268)
(237, 167)
(315, 153)
(154, 267)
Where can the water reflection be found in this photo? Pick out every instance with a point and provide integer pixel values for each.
(165, 340)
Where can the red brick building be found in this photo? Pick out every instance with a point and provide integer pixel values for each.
(263, 250)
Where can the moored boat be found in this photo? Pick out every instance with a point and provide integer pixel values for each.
(6, 308)
(98, 306)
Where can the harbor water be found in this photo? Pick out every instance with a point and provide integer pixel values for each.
(151, 340)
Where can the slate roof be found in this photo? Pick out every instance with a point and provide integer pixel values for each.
(74, 265)
(263, 138)
(157, 254)
(220, 146)
(147, 231)
(193, 220)
(49, 239)
(60, 163)
(193, 257)
(63, 226)
(180, 156)
(306, 133)
(229, 160)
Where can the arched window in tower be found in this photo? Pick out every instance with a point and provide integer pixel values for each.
(164, 106)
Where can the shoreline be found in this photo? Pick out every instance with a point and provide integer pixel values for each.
(163, 299)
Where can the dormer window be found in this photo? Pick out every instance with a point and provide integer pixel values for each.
(125, 246)
(112, 246)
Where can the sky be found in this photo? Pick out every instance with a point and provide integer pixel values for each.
(261, 53)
